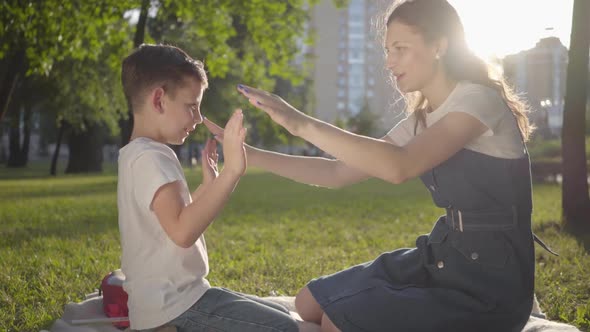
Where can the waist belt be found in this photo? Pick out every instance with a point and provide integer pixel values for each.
(490, 220)
(499, 220)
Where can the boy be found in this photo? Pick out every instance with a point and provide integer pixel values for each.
(161, 222)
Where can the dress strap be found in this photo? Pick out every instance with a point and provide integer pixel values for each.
(543, 245)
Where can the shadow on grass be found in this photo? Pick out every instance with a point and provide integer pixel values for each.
(40, 170)
(36, 172)
(580, 234)
(546, 226)
(584, 240)
(59, 190)
(16, 238)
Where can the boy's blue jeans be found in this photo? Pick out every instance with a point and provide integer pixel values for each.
(221, 309)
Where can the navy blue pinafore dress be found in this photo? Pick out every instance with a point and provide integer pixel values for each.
(473, 272)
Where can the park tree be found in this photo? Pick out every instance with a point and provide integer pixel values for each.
(78, 47)
(38, 34)
(252, 42)
(39, 38)
(126, 120)
(364, 122)
(89, 101)
(575, 199)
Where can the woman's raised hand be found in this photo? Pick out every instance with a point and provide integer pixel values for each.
(214, 129)
(279, 110)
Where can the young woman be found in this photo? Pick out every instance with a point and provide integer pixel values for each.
(464, 137)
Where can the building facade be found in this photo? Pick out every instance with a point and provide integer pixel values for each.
(349, 64)
(539, 75)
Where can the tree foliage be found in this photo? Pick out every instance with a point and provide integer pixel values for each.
(253, 42)
(76, 49)
(365, 122)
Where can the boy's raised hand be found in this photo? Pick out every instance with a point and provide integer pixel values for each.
(233, 144)
(209, 159)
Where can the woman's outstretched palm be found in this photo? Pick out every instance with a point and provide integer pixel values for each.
(278, 109)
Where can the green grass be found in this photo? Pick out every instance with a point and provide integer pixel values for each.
(59, 237)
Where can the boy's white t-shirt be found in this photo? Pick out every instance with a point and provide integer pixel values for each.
(502, 139)
(163, 280)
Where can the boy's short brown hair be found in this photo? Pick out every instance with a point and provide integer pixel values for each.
(152, 65)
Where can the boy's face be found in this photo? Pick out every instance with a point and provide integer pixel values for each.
(181, 111)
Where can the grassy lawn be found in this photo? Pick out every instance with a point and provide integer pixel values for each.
(59, 237)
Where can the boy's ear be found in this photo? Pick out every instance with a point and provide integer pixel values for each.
(442, 46)
(157, 99)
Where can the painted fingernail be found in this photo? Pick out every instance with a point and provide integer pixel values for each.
(241, 87)
(259, 103)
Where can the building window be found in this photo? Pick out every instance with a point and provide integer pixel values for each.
(356, 30)
(353, 108)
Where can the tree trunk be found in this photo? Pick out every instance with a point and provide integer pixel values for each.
(10, 80)
(126, 125)
(575, 199)
(14, 140)
(85, 150)
(19, 153)
(60, 135)
(3, 156)
(24, 152)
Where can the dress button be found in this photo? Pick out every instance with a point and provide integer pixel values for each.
(440, 264)
(432, 188)
(474, 255)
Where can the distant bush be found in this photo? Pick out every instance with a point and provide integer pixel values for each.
(541, 149)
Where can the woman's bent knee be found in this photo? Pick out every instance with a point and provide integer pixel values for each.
(307, 306)
(328, 325)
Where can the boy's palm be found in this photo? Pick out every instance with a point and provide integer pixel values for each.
(233, 143)
(209, 161)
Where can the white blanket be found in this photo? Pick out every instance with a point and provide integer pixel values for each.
(91, 308)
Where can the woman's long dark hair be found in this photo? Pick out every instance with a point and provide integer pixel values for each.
(436, 19)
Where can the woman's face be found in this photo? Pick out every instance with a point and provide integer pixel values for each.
(411, 60)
